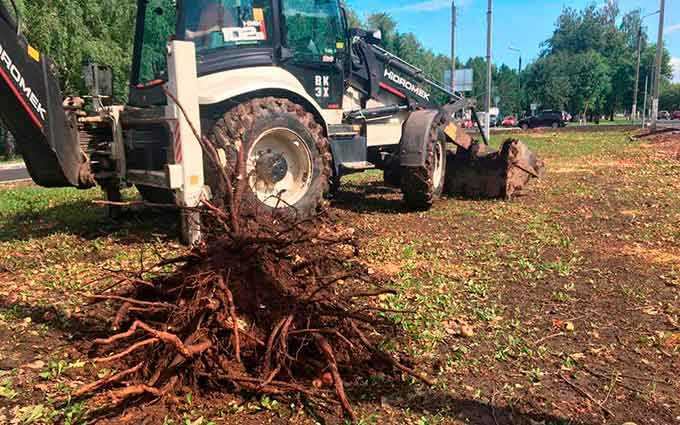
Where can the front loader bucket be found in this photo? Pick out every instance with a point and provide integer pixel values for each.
(31, 107)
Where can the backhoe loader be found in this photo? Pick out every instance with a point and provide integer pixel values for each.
(287, 83)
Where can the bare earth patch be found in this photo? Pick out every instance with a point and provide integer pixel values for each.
(560, 307)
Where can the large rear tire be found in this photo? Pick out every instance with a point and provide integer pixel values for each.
(286, 156)
(422, 185)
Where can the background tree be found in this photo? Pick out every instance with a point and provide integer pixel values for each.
(669, 99)
(353, 20)
(589, 60)
(72, 32)
(7, 145)
(597, 56)
(506, 85)
(591, 82)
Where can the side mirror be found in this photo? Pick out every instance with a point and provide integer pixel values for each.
(98, 80)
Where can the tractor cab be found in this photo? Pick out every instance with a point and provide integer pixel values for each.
(308, 38)
(283, 87)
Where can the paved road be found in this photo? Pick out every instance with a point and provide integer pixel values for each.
(667, 123)
(13, 173)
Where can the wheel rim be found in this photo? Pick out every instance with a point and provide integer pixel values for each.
(279, 167)
(438, 172)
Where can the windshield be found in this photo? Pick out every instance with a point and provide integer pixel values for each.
(159, 28)
(216, 24)
(313, 29)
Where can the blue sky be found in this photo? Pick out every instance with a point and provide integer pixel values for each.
(523, 24)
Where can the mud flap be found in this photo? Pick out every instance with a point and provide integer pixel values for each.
(416, 134)
(31, 107)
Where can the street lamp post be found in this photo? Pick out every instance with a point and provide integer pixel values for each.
(519, 77)
(637, 68)
(644, 106)
(489, 31)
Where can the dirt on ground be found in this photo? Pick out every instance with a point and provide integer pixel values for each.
(559, 307)
(667, 142)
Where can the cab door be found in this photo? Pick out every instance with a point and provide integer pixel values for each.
(314, 47)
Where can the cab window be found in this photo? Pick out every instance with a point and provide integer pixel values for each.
(217, 24)
(313, 29)
(159, 27)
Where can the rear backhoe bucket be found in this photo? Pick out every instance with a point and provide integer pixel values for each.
(475, 171)
(480, 173)
(31, 107)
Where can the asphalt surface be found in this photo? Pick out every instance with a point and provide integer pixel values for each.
(667, 123)
(13, 173)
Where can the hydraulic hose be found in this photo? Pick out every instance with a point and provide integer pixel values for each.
(18, 16)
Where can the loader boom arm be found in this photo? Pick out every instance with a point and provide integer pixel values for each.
(31, 107)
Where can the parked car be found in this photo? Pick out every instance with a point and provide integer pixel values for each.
(548, 118)
(493, 119)
(664, 115)
(509, 121)
(676, 115)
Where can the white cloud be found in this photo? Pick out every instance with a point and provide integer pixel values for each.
(675, 63)
(672, 29)
(429, 6)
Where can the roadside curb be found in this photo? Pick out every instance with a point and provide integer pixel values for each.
(13, 166)
(13, 182)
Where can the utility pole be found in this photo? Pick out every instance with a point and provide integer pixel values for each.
(657, 72)
(644, 106)
(453, 46)
(637, 73)
(519, 78)
(489, 31)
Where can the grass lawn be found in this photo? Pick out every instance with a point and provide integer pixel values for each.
(559, 307)
(16, 160)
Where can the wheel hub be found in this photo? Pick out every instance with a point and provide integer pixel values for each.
(271, 167)
(279, 167)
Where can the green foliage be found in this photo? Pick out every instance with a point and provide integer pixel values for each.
(7, 144)
(407, 47)
(670, 98)
(313, 29)
(353, 20)
(588, 64)
(159, 26)
(6, 390)
(72, 32)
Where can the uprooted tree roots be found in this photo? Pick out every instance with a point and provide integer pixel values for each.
(267, 304)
